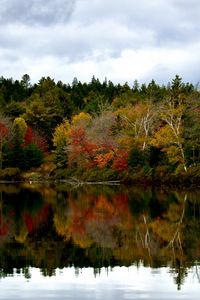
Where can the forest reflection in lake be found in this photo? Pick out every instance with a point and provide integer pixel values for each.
(54, 227)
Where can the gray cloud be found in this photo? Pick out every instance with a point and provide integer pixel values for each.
(76, 43)
(35, 12)
(62, 36)
(171, 21)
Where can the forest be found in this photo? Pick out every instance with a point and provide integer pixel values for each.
(97, 131)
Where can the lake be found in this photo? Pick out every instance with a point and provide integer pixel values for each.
(98, 242)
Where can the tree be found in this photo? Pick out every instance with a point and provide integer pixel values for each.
(14, 109)
(4, 133)
(25, 82)
(81, 149)
(176, 87)
(33, 156)
(125, 98)
(81, 119)
(32, 136)
(138, 123)
(192, 129)
(44, 109)
(19, 130)
(60, 142)
(16, 156)
(170, 135)
(105, 134)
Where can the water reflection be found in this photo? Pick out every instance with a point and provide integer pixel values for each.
(50, 227)
(121, 283)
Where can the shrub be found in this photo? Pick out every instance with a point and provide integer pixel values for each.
(136, 158)
(10, 174)
(163, 174)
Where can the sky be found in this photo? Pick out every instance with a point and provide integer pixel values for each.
(120, 40)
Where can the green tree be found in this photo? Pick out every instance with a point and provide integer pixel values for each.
(192, 129)
(33, 156)
(14, 109)
(26, 81)
(16, 155)
(44, 110)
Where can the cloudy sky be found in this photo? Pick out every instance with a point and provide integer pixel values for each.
(121, 40)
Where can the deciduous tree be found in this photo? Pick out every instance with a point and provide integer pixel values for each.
(170, 135)
(4, 133)
(60, 142)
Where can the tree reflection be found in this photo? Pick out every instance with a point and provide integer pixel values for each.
(49, 228)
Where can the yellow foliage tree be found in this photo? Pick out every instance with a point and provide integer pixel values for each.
(82, 119)
(19, 129)
(61, 134)
(170, 136)
(60, 141)
(138, 122)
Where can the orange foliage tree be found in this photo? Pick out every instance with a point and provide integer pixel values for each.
(81, 149)
(94, 142)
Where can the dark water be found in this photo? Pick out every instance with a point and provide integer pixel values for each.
(98, 242)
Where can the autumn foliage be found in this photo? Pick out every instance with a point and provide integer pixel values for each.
(32, 136)
(102, 130)
(4, 131)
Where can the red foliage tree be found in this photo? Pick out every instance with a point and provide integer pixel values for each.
(4, 132)
(33, 136)
(28, 136)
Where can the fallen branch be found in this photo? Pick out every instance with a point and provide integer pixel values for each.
(77, 182)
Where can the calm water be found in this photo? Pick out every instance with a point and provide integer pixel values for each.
(98, 242)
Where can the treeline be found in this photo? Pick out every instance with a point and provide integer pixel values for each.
(100, 130)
